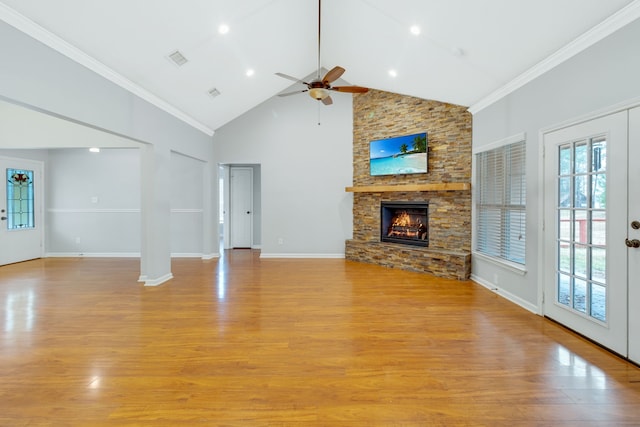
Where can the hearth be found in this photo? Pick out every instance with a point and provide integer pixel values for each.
(405, 222)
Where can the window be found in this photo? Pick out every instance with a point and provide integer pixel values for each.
(501, 202)
(20, 212)
(582, 226)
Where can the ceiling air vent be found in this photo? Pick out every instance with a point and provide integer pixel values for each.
(214, 92)
(177, 58)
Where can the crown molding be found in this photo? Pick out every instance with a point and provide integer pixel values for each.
(27, 26)
(618, 20)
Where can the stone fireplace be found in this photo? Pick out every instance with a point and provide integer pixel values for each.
(406, 223)
(445, 188)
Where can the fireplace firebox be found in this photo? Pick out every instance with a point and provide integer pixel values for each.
(405, 222)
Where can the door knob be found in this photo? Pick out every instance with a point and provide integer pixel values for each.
(248, 212)
(635, 225)
(3, 218)
(635, 243)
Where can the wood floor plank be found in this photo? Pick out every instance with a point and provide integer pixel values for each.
(242, 341)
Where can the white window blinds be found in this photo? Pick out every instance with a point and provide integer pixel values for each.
(501, 202)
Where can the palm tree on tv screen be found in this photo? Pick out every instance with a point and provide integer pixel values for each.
(420, 143)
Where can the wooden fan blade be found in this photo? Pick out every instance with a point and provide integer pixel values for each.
(293, 93)
(285, 76)
(333, 75)
(327, 100)
(350, 89)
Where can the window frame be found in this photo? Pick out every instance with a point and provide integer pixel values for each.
(27, 204)
(504, 244)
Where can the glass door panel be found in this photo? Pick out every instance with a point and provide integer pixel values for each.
(581, 219)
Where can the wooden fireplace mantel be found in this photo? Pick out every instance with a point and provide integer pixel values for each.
(441, 186)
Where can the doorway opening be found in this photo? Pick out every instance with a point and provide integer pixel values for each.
(240, 206)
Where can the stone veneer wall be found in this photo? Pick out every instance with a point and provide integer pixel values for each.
(379, 115)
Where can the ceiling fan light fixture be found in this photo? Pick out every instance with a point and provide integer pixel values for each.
(319, 88)
(318, 93)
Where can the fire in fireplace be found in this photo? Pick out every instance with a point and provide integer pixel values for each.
(405, 222)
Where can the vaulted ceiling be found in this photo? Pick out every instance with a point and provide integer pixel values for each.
(464, 50)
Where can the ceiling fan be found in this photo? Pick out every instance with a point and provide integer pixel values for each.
(319, 88)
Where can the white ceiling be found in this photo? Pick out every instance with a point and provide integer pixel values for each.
(467, 49)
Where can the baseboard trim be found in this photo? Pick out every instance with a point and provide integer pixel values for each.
(92, 255)
(155, 282)
(285, 255)
(124, 255)
(186, 255)
(506, 295)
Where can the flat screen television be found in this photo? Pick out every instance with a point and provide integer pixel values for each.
(399, 155)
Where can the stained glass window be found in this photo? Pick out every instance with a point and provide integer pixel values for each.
(20, 212)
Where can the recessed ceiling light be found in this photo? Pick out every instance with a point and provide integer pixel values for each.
(94, 149)
(393, 73)
(250, 72)
(223, 29)
(415, 30)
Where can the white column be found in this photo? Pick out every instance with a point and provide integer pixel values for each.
(155, 247)
(210, 222)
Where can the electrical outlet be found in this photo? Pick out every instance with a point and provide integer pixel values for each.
(280, 241)
(94, 199)
(495, 278)
(77, 240)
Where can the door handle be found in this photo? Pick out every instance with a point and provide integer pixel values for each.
(248, 212)
(635, 243)
(3, 218)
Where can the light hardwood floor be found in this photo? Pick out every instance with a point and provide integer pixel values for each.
(247, 342)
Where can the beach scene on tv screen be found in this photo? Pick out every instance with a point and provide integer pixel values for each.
(399, 155)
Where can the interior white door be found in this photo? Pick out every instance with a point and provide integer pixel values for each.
(21, 225)
(585, 192)
(241, 206)
(634, 234)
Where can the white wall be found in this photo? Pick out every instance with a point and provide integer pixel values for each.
(93, 202)
(187, 186)
(23, 127)
(601, 76)
(47, 81)
(40, 155)
(304, 170)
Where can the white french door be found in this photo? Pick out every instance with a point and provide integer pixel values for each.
(21, 222)
(586, 267)
(633, 231)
